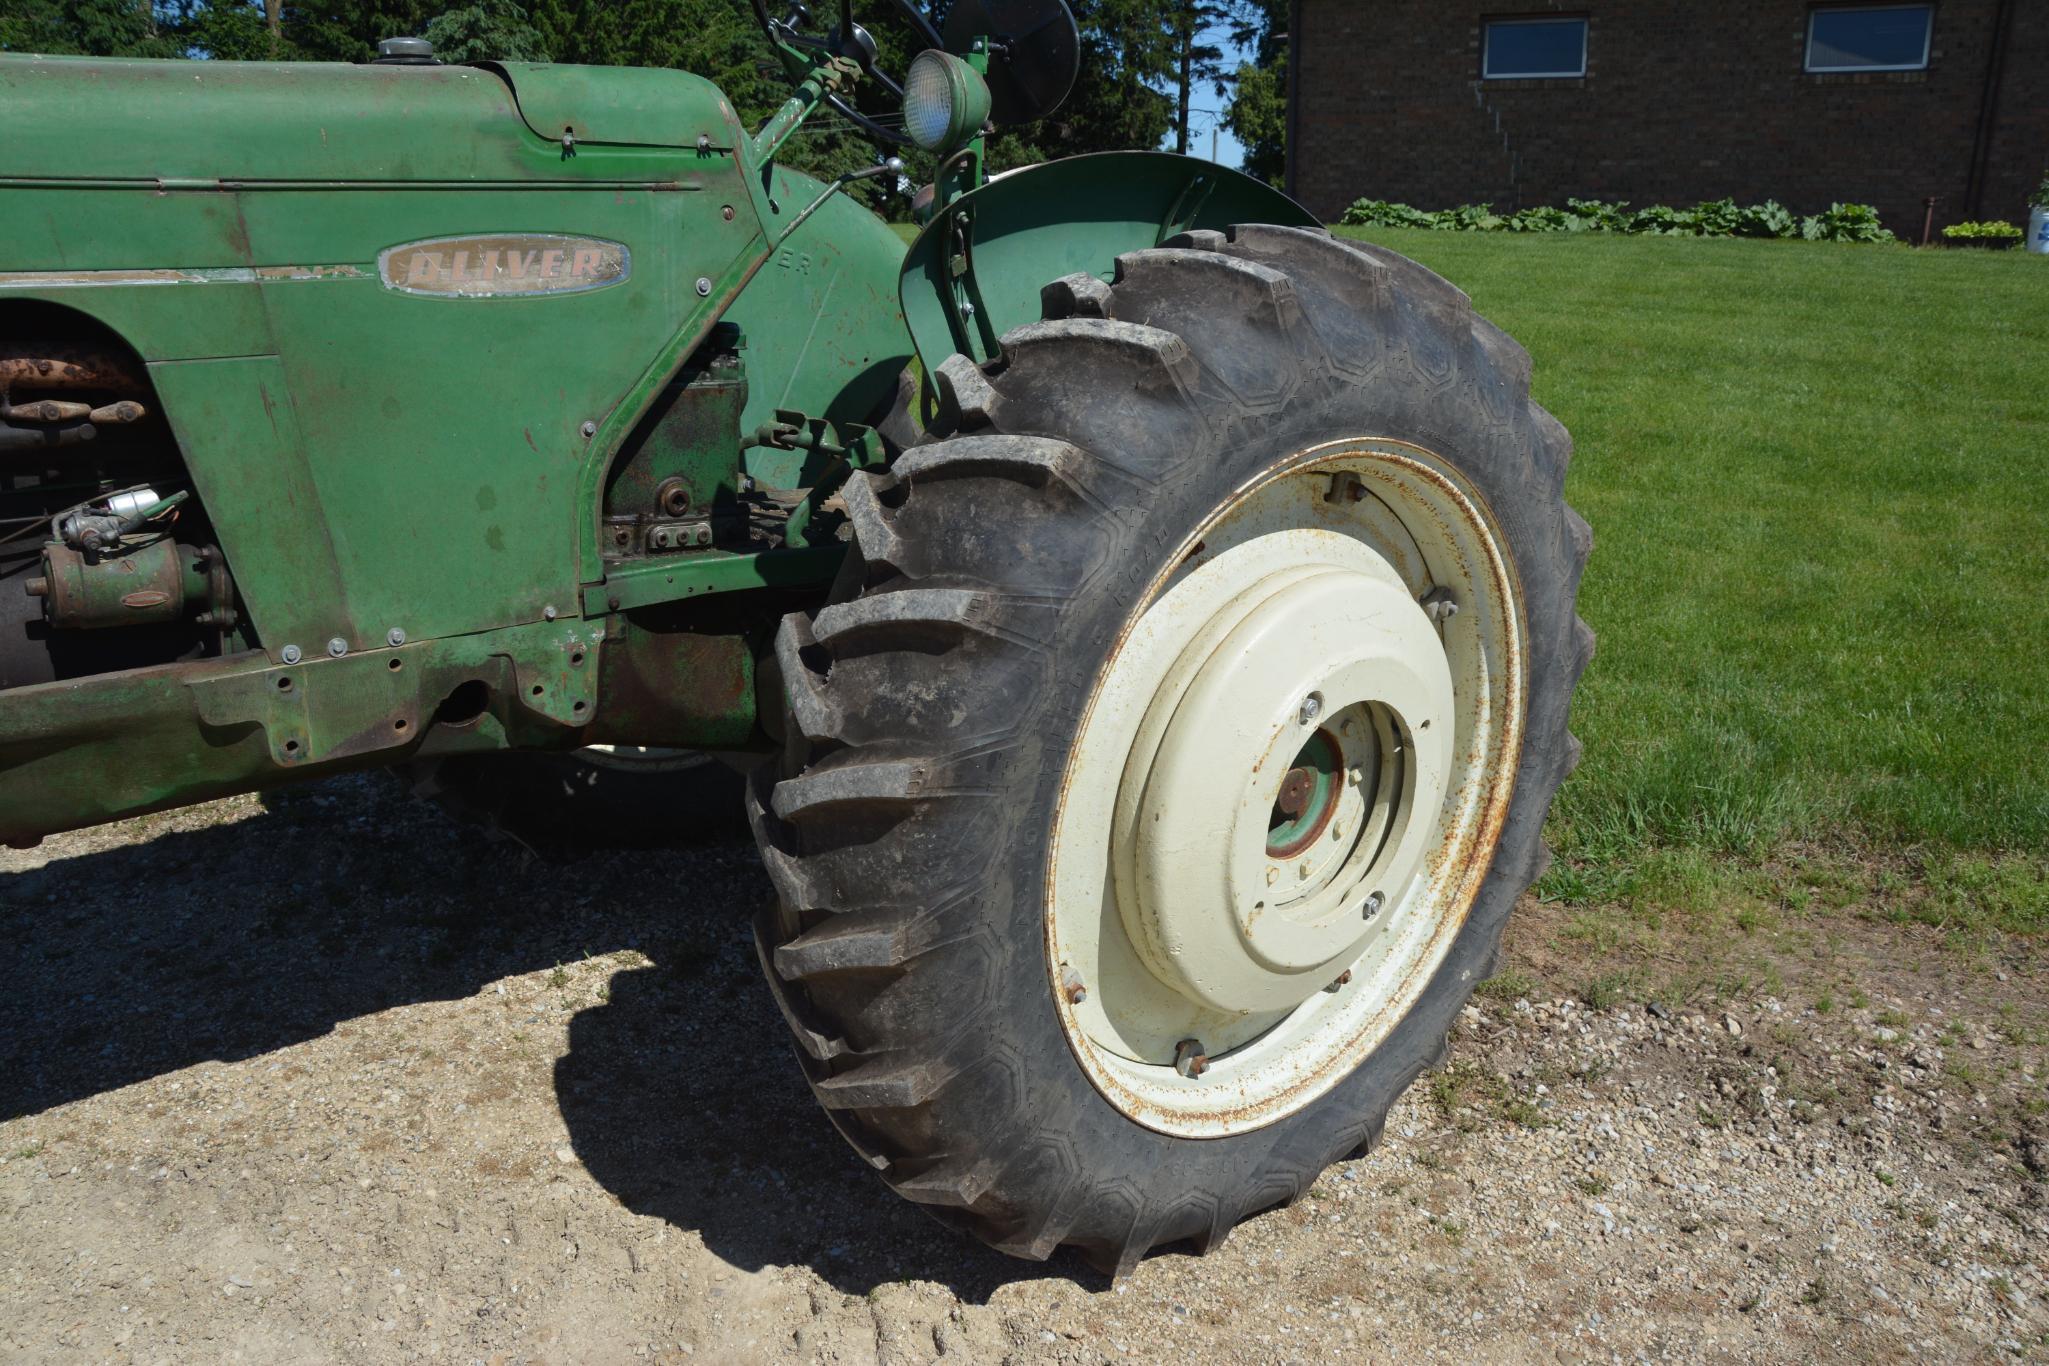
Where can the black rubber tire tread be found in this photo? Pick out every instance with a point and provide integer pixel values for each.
(935, 702)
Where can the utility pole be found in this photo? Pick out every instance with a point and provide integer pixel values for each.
(1186, 33)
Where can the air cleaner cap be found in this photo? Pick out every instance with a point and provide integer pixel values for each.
(405, 52)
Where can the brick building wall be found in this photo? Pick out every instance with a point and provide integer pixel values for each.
(1683, 100)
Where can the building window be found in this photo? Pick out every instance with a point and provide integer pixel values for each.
(1533, 49)
(1869, 38)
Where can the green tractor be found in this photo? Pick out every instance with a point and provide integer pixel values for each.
(1149, 619)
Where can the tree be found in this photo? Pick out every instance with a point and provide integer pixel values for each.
(1197, 58)
(1257, 113)
(496, 30)
(1258, 117)
(1129, 55)
(1126, 55)
(102, 28)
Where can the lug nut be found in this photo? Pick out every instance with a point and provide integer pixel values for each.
(1071, 986)
(1372, 906)
(1312, 707)
(1189, 1059)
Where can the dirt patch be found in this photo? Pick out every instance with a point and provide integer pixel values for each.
(329, 1078)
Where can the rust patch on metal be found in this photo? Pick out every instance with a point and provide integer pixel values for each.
(57, 365)
(675, 688)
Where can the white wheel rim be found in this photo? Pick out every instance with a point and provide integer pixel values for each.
(1197, 909)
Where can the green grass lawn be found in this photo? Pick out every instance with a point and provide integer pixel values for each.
(1818, 477)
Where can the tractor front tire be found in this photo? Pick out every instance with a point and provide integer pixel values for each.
(1163, 770)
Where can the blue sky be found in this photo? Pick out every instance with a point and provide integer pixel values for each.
(1229, 152)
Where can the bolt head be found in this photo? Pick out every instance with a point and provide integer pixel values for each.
(967, 310)
(703, 286)
(290, 654)
(549, 613)
(589, 429)
(395, 637)
(1071, 986)
(1312, 707)
(337, 647)
(1372, 906)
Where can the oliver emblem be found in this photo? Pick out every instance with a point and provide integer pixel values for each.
(503, 265)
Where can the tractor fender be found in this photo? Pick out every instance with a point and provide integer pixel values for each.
(976, 269)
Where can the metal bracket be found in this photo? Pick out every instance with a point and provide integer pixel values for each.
(1187, 207)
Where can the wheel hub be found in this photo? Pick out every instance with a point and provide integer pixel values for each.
(1316, 692)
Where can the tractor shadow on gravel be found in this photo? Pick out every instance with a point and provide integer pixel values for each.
(228, 941)
(682, 1099)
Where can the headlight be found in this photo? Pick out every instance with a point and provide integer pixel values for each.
(946, 101)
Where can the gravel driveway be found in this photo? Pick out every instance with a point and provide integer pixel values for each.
(328, 1078)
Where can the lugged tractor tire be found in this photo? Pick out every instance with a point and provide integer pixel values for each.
(563, 806)
(937, 703)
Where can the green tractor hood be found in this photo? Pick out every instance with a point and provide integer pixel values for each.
(79, 118)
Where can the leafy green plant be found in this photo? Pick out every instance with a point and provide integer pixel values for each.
(1769, 219)
(1598, 216)
(1717, 218)
(2040, 198)
(1713, 218)
(1992, 230)
(1845, 223)
(1539, 220)
(1661, 220)
(1467, 218)
(1372, 213)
